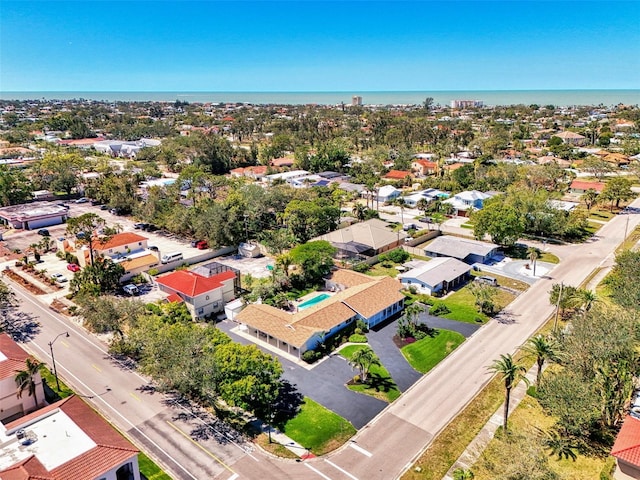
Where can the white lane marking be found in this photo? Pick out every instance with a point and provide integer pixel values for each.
(98, 397)
(233, 477)
(341, 469)
(360, 449)
(317, 471)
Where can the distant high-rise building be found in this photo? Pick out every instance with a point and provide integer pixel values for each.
(356, 100)
(467, 104)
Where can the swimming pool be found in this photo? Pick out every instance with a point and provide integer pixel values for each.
(312, 301)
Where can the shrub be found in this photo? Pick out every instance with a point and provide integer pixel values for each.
(153, 272)
(413, 289)
(398, 255)
(358, 338)
(439, 309)
(360, 324)
(311, 356)
(361, 267)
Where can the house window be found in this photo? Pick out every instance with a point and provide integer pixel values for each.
(200, 311)
(207, 297)
(215, 304)
(140, 243)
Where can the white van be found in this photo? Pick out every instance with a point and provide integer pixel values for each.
(171, 257)
(131, 289)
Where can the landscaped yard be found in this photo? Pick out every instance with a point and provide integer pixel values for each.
(462, 305)
(150, 470)
(602, 215)
(425, 354)
(318, 429)
(379, 385)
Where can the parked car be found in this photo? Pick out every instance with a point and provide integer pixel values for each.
(151, 227)
(44, 232)
(82, 200)
(95, 202)
(153, 248)
(131, 289)
(487, 280)
(73, 267)
(140, 226)
(58, 277)
(202, 245)
(104, 207)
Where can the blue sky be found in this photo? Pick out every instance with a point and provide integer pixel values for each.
(318, 46)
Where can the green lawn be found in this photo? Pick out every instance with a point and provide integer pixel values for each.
(149, 469)
(380, 269)
(425, 354)
(602, 215)
(318, 429)
(592, 227)
(380, 384)
(462, 305)
(548, 257)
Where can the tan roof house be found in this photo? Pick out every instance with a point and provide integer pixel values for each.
(355, 297)
(571, 138)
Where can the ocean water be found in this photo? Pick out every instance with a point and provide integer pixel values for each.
(489, 97)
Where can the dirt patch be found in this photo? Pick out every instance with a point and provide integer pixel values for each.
(23, 282)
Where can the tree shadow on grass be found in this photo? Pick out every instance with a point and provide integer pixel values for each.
(287, 405)
(380, 383)
(20, 326)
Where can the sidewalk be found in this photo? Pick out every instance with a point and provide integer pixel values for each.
(484, 436)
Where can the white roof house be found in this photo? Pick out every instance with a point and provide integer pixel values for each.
(464, 202)
(439, 274)
(388, 193)
(465, 249)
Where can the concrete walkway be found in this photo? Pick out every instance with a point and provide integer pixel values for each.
(477, 446)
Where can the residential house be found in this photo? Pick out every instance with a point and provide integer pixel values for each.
(12, 360)
(387, 193)
(464, 249)
(626, 450)
(287, 177)
(429, 195)
(424, 167)
(580, 186)
(32, 216)
(439, 275)
(571, 138)
(398, 175)
(203, 295)
(358, 297)
(282, 162)
(66, 440)
(364, 239)
(464, 203)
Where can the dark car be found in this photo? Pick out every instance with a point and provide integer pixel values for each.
(140, 226)
(104, 207)
(44, 232)
(151, 228)
(95, 202)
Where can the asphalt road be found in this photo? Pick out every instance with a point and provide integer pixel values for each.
(383, 449)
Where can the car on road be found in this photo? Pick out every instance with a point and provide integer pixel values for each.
(82, 200)
(202, 245)
(153, 248)
(58, 277)
(73, 267)
(44, 232)
(104, 207)
(140, 226)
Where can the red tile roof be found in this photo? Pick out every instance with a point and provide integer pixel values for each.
(120, 240)
(425, 163)
(627, 444)
(398, 174)
(111, 449)
(191, 284)
(16, 357)
(282, 162)
(581, 185)
(174, 298)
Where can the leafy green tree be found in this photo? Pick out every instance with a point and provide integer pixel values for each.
(306, 219)
(213, 153)
(502, 222)
(315, 259)
(616, 190)
(7, 297)
(15, 188)
(511, 373)
(542, 349)
(363, 359)
(590, 198)
(624, 280)
(26, 379)
(562, 296)
(102, 276)
(484, 295)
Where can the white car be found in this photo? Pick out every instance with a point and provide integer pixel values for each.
(82, 200)
(58, 277)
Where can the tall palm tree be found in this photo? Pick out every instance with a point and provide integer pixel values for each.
(359, 211)
(590, 198)
(583, 299)
(363, 360)
(412, 312)
(399, 201)
(533, 254)
(543, 349)
(438, 219)
(284, 261)
(512, 373)
(26, 379)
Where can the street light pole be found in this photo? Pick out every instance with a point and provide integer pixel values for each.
(53, 360)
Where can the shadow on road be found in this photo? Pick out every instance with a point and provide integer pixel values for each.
(21, 327)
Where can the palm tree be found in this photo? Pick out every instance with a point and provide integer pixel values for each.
(412, 312)
(25, 379)
(35, 248)
(463, 474)
(284, 261)
(438, 219)
(363, 360)
(583, 299)
(400, 203)
(590, 198)
(543, 349)
(359, 211)
(533, 254)
(512, 373)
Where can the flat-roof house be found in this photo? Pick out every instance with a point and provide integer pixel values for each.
(32, 216)
(12, 360)
(366, 238)
(202, 295)
(465, 202)
(464, 249)
(438, 275)
(370, 299)
(626, 450)
(287, 177)
(66, 440)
